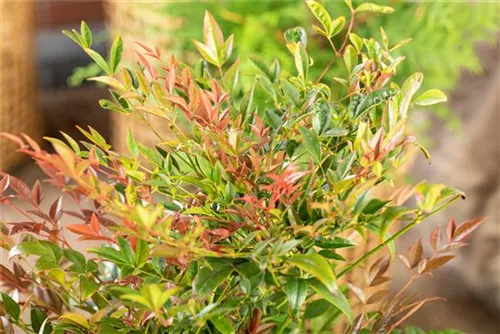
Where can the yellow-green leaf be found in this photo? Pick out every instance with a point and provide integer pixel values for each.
(317, 266)
(99, 60)
(374, 8)
(336, 26)
(76, 318)
(320, 13)
(430, 97)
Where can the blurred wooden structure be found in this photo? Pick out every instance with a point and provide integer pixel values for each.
(138, 22)
(19, 112)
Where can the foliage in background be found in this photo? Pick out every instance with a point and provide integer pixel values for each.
(237, 222)
(444, 34)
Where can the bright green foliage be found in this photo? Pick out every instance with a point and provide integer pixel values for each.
(236, 222)
(443, 34)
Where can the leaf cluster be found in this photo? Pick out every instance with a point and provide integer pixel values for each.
(236, 222)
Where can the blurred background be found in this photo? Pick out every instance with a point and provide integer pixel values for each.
(43, 91)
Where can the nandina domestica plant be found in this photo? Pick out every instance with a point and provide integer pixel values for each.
(235, 223)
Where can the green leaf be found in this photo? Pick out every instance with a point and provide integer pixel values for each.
(350, 57)
(356, 41)
(320, 13)
(110, 254)
(76, 318)
(126, 250)
(212, 34)
(75, 37)
(209, 278)
(335, 243)
(222, 324)
(246, 104)
(99, 60)
(345, 165)
(317, 266)
(296, 291)
(336, 26)
(28, 248)
(227, 50)
(132, 144)
(311, 143)
(374, 8)
(301, 60)
(40, 248)
(230, 78)
(317, 308)
(207, 53)
(373, 206)
(337, 299)
(38, 317)
(86, 34)
(430, 97)
(11, 306)
(116, 53)
(409, 88)
(260, 64)
(336, 132)
(88, 286)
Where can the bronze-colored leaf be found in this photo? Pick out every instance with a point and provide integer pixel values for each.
(55, 211)
(450, 229)
(435, 238)
(357, 292)
(436, 262)
(404, 260)
(466, 228)
(380, 280)
(36, 193)
(377, 297)
(415, 253)
(421, 266)
(452, 246)
(379, 267)
(356, 326)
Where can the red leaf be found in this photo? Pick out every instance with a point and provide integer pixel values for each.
(379, 267)
(436, 262)
(55, 211)
(452, 246)
(7, 278)
(435, 238)
(13, 138)
(81, 229)
(170, 80)
(34, 145)
(415, 253)
(466, 228)
(450, 230)
(95, 224)
(4, 184)
(404, 260)
(18, 186)
(36, 193)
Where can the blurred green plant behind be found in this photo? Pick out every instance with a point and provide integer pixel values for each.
(444, 33)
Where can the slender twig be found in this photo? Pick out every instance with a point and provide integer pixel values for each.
(349, 29)
(405, 229)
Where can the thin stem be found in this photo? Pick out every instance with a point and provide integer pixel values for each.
(325, 70)
(405, 229)
(349, 29)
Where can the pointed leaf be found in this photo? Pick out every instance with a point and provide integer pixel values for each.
(317, 266)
